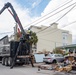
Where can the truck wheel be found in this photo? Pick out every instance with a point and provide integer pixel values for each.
(46, 63)
(6, 61)
(9, 61)
(3, 61)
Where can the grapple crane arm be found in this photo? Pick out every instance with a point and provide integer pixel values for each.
(16, 18)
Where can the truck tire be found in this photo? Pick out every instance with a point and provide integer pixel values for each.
(6, 61)
(9, 61)
(3, 61)
(46, 63)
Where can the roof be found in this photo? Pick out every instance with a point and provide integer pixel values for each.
(68, 46)
(34, 27)
(4, 37)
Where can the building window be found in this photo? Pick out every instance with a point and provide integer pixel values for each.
(64, 38)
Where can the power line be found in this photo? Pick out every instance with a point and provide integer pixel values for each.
(69, 24)
(63, 27)
(65, 13)
(6, 32)
(60, 17)
(56, 12)
(42, 30)
(52, 31)
(47, 27)
(56, 21)
(51, 15)
(50, 12)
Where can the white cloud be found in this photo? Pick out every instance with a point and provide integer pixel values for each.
(36, 3)
(6, 20)
(51, 7)
(70, 17)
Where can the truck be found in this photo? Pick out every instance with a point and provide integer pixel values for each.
(15, 52)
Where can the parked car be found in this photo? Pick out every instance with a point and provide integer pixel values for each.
(53, 58)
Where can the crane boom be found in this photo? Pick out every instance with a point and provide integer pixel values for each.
(16, 18)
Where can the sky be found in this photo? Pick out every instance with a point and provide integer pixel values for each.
(30, 12)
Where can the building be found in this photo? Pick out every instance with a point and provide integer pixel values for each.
(11, 38)
(4, 40)
(69, 49)
(51, 37)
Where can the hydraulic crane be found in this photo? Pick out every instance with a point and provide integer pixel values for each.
(23, 38)
(13, 13)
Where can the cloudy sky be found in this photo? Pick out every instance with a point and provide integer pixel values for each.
(39, 12)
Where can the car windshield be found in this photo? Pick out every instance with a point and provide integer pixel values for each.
(55, 55)
(50, 55)
(58, 55)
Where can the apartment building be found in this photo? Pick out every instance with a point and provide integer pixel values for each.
(51, 37)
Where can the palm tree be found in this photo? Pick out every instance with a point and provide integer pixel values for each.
(33, 39)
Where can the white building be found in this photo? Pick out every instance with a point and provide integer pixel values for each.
(51, 37)
(4, 40)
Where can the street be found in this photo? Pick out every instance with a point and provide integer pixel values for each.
(29, 70)
(23, 70)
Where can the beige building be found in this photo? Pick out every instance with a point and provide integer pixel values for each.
(51, 37)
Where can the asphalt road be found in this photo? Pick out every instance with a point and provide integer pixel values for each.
(23, 70)
(28, 70)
